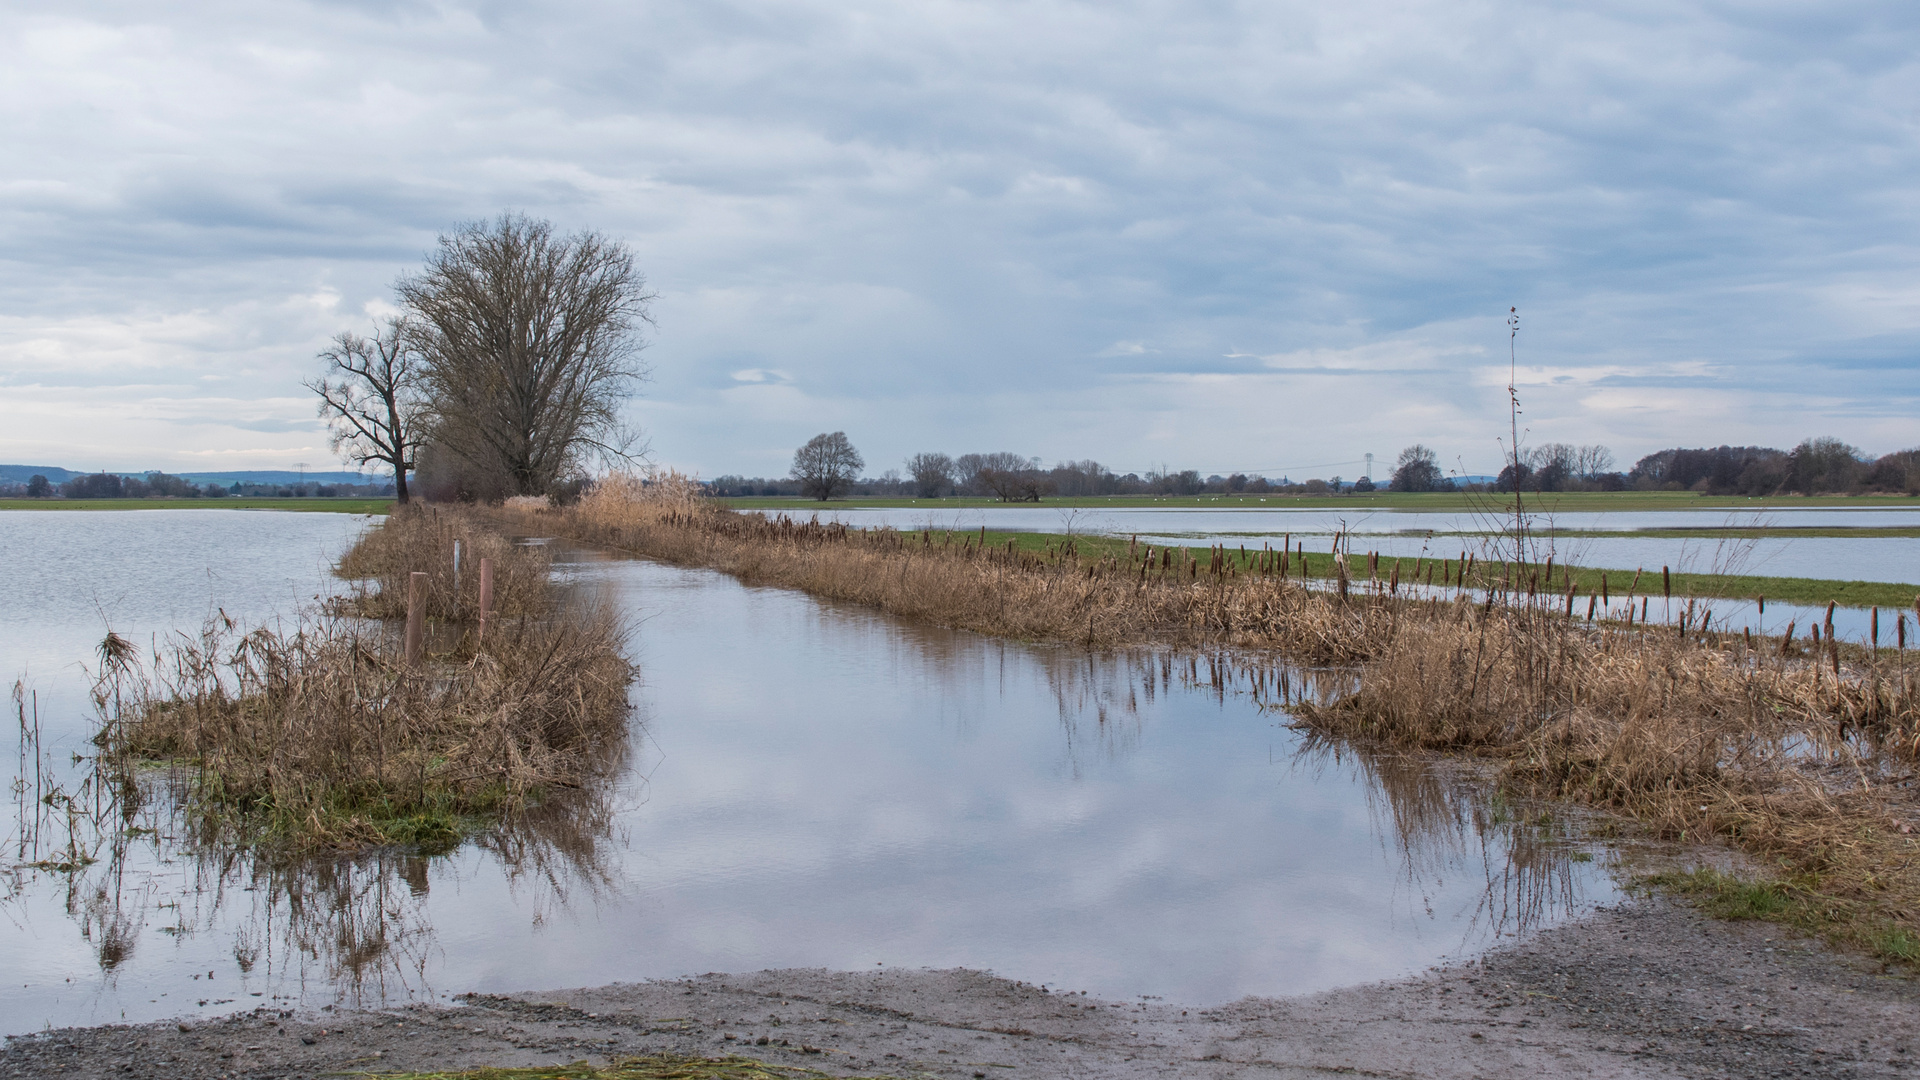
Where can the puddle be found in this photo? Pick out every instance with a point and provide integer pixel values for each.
(806, 785)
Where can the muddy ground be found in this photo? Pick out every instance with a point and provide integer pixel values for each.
(1647, 989)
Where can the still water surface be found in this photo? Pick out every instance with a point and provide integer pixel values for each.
(1414, 534)
(806, 785)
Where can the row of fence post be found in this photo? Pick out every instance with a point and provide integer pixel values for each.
(416, 639)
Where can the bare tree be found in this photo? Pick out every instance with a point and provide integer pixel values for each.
(1594, 461)
(1007, 476)
(374, 410)
(1822, 465)
(1087, 477)
(932, 474)
(827, 465)
(966, 471)
(1418, 470)
(531, 346)
(1550, 466)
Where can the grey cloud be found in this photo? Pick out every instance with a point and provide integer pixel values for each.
(931, 202)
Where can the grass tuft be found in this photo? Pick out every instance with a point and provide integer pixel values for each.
(1805, 904)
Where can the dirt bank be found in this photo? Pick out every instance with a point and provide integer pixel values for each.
(1644, 989)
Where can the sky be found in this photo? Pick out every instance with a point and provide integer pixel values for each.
(1260, 237)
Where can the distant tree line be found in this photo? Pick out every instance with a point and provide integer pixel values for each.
(1821, 466)
(828, 466)
(159, 485)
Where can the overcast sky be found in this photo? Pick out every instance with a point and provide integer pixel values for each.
(1228, 236)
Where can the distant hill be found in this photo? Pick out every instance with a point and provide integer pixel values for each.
(20, 474)
(280, 476)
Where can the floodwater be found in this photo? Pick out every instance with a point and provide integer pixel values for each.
(1399, 533)
(805, 785)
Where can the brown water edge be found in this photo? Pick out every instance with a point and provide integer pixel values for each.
(1803, 759)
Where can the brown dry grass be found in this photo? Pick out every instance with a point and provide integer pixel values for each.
(322, 737)
(1805, 761)
(421, 538)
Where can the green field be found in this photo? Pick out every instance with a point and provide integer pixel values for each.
(1565, 502)
(333, 506)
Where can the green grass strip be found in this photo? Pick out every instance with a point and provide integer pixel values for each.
(1799, 904)
(1319, 564)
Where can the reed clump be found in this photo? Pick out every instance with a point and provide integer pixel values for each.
(1803, 757)
(428, 539)
(322, 736)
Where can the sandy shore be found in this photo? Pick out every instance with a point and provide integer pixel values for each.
(1645, 989)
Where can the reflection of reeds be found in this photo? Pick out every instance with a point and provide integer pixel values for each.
(1434, 815)
(358, 922)
(1683, 727)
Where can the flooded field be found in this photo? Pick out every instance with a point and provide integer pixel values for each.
(1412, 534)
(805, 785)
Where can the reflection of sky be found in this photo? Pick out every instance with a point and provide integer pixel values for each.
(1403, 534)
(74, 573)
(820, 786)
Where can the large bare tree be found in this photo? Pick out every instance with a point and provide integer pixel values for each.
(932, 474)
(370, 397)
(827, 465)
(531, 347)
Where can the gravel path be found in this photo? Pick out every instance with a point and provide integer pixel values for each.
(1648, 989)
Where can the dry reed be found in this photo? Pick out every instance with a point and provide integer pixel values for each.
(323, 737)
(424, 538)
(1792, 755)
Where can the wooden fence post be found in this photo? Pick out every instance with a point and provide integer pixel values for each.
(486, 595)
(416, 618)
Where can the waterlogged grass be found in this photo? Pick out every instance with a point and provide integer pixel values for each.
(653, 1067)
(1559, 502)
(1800, 903)
(1587, 581)
(432, 821)
(333, 506)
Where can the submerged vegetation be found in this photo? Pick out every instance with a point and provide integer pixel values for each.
(324, 736)
(1797, 751)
